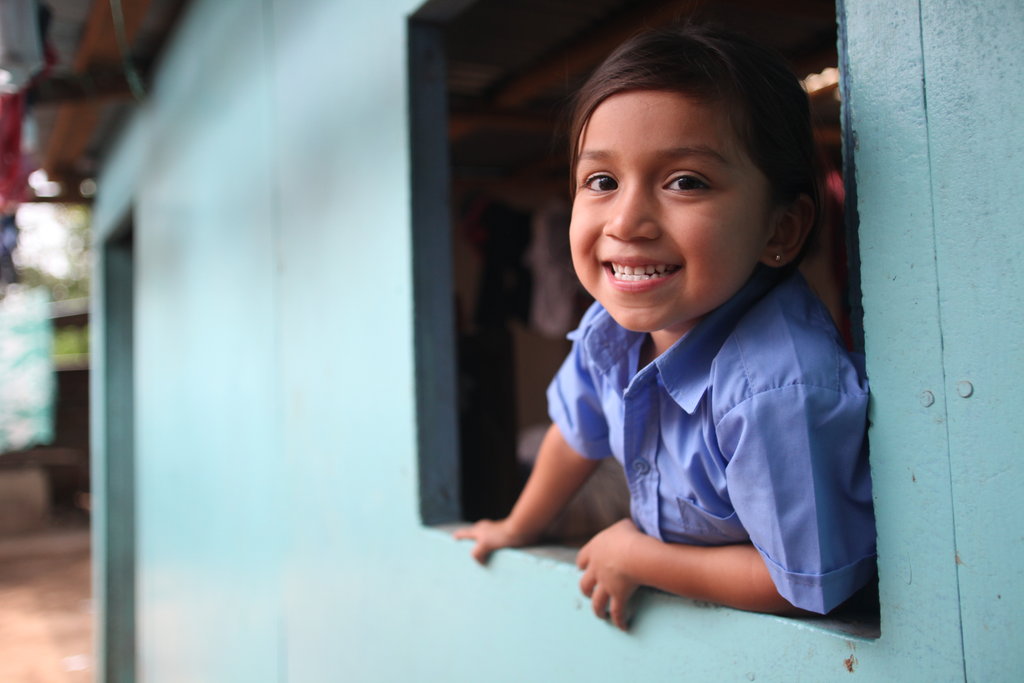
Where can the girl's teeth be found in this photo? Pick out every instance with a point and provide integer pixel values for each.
(634, 273)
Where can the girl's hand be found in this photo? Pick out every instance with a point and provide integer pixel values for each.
(491, 535)
(606, 579)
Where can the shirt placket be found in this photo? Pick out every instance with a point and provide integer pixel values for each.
(640, 435)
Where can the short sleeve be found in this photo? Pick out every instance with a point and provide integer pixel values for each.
(574, 401)
(799, 481)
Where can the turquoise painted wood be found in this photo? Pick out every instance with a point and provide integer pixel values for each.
(112, 428)
(278, 532)
(976, 143)
(903, 338)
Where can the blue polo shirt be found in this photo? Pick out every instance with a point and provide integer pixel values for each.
(751, 428)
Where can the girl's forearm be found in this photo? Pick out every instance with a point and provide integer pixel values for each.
(732, 575)
(557, 475)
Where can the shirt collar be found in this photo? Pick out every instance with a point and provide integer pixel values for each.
(685, 368)
(608, 344)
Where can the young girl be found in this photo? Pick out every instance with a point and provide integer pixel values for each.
(706, 367)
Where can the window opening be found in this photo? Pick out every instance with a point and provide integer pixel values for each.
(491, 144)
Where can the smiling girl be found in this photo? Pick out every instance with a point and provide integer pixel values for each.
(706, 366)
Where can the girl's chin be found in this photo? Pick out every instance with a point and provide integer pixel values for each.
(635, 322)
(657, 326)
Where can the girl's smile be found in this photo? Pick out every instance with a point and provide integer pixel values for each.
(670, 214)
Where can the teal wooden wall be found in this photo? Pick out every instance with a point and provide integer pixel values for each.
(268, 491)
(940, 156)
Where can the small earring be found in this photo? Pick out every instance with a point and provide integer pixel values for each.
(778, 258)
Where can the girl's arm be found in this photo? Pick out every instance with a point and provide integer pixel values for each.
(557, 475)
(621, 558)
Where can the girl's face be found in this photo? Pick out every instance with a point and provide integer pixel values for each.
(670, 215)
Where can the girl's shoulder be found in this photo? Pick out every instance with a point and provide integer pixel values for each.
(787, 339)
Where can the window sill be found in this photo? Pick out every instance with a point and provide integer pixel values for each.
(857, 619)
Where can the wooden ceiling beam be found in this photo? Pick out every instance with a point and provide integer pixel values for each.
(817, 10)
(580, 56)
(76, 121)
(507, 110)
(463, 122)
(98, 82)
(824, 92)
(829, 136)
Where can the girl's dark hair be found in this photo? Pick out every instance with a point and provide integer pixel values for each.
(765, 102)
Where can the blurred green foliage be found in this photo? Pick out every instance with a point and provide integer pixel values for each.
(71, 341)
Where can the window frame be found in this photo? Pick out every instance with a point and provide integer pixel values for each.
(433, 321)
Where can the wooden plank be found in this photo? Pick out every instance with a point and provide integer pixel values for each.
(883, 98)
(583, 55)
(97, 82)
(579, 56)
(462, 123)
(99, 41)
(974, 73)
(75, 122)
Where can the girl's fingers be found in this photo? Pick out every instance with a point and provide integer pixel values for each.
(470, 531)
(582, 558)
(587, 584)
(481, 551)
(617, 613)
(482, 548)
(599, 602)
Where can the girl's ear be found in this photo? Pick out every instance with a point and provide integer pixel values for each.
(792, 225)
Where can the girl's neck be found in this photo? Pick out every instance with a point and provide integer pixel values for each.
(657, 343)
(649, 351)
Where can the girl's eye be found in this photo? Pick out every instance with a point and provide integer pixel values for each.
(687, 182)
(600, 183)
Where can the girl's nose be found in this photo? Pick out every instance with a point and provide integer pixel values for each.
(633, 216)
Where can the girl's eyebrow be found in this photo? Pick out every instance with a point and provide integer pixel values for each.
(703, 151)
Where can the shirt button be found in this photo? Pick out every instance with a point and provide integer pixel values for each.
(641, 466)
